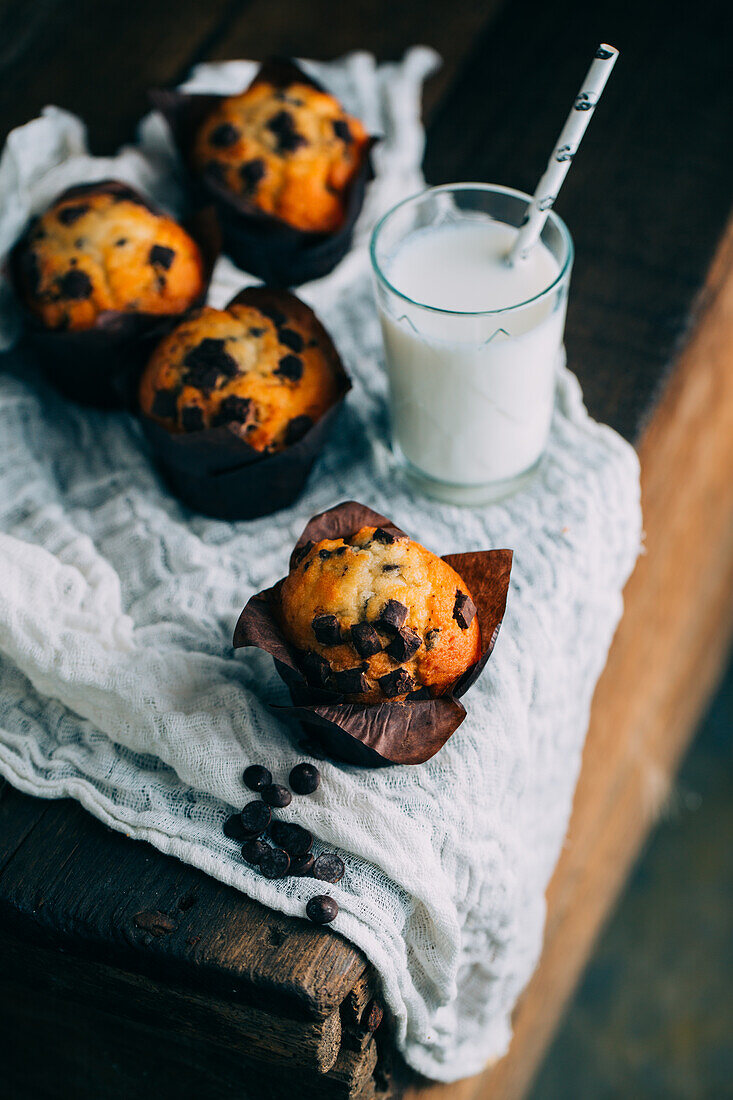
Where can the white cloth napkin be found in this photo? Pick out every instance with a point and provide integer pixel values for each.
(118, 685)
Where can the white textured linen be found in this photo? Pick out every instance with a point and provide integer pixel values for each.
(118, 686)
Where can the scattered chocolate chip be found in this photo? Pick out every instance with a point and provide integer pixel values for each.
(253, 851)
(419, 695)
(321, 909)
(121, 241)
(297, 428)
(405, 644)
(234, 829)
(390, 567)
(464, 610)
(165, 404)
(256, 816)
(302, 866)
(431, 637)
(282, 125)
(324, 554)
(256, 777)
(396, 683)
(290, 367)
(192, 418)
(291, 339)
(276, 315)
(351, 681)
(339, 551)
(326, 629)
(155, 923)
(342, 131)
(160, 282)
(365, 639)
(316, 668)
(275, 863)
(381, 535)
(392, 615)
(304, 778)
(75, 285)
(256, 332)
(206, 362)
(70, 214)
(275, 795)
(251, 172)
(302, 552)
(293, 838)
(329, 867)
(237, 410)
(221, 137)
(160, 256)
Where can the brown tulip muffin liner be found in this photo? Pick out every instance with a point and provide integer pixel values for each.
(217, 473)
(262, 243)
(377, 734)
(101, 365)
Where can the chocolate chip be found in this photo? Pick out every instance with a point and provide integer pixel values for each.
(221, 137)
(365, 639)
(275, 795)
(390, 567)
(192, 418)
(234, 829)
(329, 867)
(251, 172)
(282, 125)
(302, 866)
(256, 777)
(206, 362)
(381, 535)
(392, 615)
(296, 840)
(75, 285)
(464, 610)
(253, 851)
(276, 315)
(297, 428)
(302, 552)
(120, 242)
(321, 909)
(350, 681)
(405, 644)
(419, 695)
(165, 404)
(290, 367)
(70, 214)
(275, 863)
(304, 778)
(431, 637)
(342, 131)
(324, 554)
(291, 339)
(396, 683)
(326, 629)
(160, 256)
(237, 410)
(256, 816)
(316, 668)
(256, 332)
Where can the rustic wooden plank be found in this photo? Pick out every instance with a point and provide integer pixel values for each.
(18, 816)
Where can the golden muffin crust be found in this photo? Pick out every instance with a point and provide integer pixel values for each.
(267, 371)
(379, 617)
(291, 151)
(106, 250)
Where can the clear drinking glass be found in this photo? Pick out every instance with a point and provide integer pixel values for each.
(471, 393)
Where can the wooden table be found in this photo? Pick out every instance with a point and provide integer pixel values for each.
(124, 972)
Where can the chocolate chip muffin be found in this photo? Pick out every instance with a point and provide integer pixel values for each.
(264, 366)
(291, 151)
(377, 616)
(101, 248)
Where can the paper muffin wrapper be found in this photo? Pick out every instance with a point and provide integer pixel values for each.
(100, 366)
(215, 472)
(377, 734)
(262, 243)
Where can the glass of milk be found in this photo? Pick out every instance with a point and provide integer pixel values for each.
(472, 343)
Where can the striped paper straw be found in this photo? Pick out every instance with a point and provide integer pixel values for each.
(564, 151)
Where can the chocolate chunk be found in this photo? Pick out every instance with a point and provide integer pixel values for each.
(321, 909)
(276, 315)
(405, 644)
(206, 362)
(324, 554)
(392, 615)
(365, 639)
(75, 285)
(431, 637)
(165, 404)
(302, 552)
(381, 535)
(316, 668)
(464, 610)
(342, 131)
(304, 778)
(282, 125)
(329, 867)
(419, 695)
(192, 418)
(275, 863)
(251, 172)
(234, 829)
(297, 428)
(296, 840)
(256, 816)
(390, 567)
(275, 795)
(120, 242)
(291, 339)
(326, 629)
(290, 367)
(70, 214)
(396, 683)
(256, 777)
(237, 410)
(160, 256)
(221, 137)
(253, 851)
(351, 681)
(256, 332)
(302, 866)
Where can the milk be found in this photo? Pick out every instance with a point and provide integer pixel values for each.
(471, 396)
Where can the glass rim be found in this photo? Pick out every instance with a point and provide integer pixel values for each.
(494, 188)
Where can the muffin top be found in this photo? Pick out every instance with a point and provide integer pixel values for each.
(100, 250)
(377, 616)
(267, 371)
(290, 151)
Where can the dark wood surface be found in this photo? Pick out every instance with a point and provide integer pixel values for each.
(647, 202)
